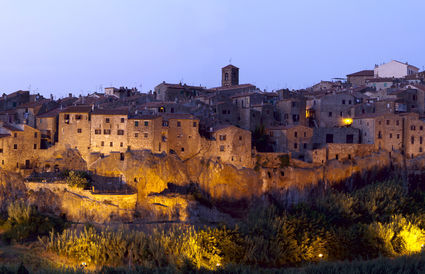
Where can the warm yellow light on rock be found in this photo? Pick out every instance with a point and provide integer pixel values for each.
(348, 121)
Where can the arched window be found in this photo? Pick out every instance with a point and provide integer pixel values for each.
(226, 76)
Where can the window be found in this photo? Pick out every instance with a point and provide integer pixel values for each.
(226, 76)
(305, 134)
(146, 123)
(343, 102)
(15, 135)
(305, 145)
(340, 114)
(111, 144)
(195, 124)
(35, 146)
(329, 138)
(398, 136)
(145, 135)
(107, 131)
(388, 122)
(120, 132)
(136, 134)
(240, 138)
(412, 140)
(102, 143)
(349, 102)
(136, 123)
(295, 145)
(397, 123)
(221, 148)
(78, 117)
(107, 120)
(349, 156)
(330, 114)
(336, 156)
(165, 123)
(122, 120)
(391, 135)
(421, 128)
(79, 130)
(1, 150)
(412, 127)
(179, 124)
(66, 116)
(420, 149)
(182, 149)
(164, 139)
(121, 144)
(379, 135)
(15, 146)
(35, 134)
(97, 131)
(420, 140)
(295, 134)
(222, 137)
(349, 138)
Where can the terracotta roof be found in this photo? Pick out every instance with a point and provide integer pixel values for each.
(34, 104)
(180, 86)
(158, 104)
(183, 116)
(123, 111)
(52, 113)
(377, 80)
(234, 87)
(11, 127)
(362, 73)
(4, 135)
(230, 66)
(244, 94)
(143, 117)
(77, 109)
(16, 93)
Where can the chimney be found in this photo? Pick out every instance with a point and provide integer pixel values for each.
(70, 95)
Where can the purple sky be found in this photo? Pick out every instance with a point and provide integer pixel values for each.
(79, 46)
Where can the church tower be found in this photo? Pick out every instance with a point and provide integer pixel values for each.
(229, 76)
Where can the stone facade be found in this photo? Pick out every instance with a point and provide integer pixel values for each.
(19, 146)
(229, 76)
(231, 145)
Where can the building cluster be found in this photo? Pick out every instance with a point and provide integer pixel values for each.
(371, 110)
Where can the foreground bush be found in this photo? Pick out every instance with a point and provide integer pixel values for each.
(24, 222)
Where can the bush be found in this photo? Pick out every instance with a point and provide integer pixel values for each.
(26, 223)
(78, 179)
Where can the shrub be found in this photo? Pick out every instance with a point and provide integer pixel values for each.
(78, 179)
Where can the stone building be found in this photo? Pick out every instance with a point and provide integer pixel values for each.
(74, 128)
(47, 123)
(147, 132)
(332, 109)
(108, 131)
(358, 79)
(14, 99)
(231, 145)
(177, 92)
(335, 135)
(414, 131)
(394, 69)
(229, 76)
(19, 146)
(380, 83)
(183, 134)
(292, 109)
(295, 139)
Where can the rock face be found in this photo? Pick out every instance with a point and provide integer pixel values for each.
(12, 187)
(151, 175)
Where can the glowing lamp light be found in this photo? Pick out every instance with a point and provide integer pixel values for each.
(320, 255)
(348, 121)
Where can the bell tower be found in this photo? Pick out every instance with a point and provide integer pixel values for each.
(229, 76)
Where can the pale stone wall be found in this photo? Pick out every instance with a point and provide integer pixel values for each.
(69, 135)
(122, 201)
(20, 149)
(47, 127)
(183, 137)
(101, 141)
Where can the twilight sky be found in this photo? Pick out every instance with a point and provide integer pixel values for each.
(79, 46)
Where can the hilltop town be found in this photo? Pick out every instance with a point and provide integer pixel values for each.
(373, 110)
